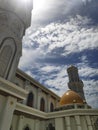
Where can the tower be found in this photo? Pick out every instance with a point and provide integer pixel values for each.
(75, 83)
(14, 19)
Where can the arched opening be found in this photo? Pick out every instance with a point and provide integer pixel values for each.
(11, 128)
(51, 107)
(42, 104)
(27, 128)
(7, 53)
(50, 127)
(30, 100)
(96, 125)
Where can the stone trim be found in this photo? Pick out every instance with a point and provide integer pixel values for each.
(8, 88)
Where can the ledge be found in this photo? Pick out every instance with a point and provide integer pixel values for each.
(30, 112)
(34, 113)
(73, 112)
(37, 84)
(9, 88)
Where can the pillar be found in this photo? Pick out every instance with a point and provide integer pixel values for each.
(37, 125)
(7, 113)
(67, 122)
(59, 124)
(89, 124)
(48, 102)
(20, 123)
(78, 122)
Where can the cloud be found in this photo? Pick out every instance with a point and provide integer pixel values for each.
(54, 10)
(88, 71)
(91, 92)
(63, 40)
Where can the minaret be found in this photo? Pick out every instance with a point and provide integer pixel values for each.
(15, 17)
(75, 83)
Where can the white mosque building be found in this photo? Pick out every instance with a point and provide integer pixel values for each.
(25, 104)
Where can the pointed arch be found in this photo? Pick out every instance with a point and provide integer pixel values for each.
(51, 107)
(26, 128)
(30, 99)
(51, 127)
(96, 124)
(42, 104)
(7, 54)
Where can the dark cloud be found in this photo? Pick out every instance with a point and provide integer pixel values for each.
(62, 10)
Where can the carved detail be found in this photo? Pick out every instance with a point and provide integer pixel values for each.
(96, 124)
(13, 22)
(7, 52)
(4, 59)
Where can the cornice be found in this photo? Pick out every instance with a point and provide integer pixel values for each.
(31, 112)
(8, 88)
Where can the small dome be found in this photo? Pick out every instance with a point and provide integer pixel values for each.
(70, 97)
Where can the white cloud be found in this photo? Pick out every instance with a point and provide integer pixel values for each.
(28, 58)
(49, 68)
(91, 92)
(86, 71)
(53, 10)
(41, 46)
(74, 36)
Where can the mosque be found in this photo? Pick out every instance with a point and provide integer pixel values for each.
(25, 104)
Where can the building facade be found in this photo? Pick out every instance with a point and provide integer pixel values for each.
(25, 104)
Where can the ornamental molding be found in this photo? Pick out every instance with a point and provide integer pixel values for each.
(11, 21)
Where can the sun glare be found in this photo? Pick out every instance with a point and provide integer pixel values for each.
(39, 4)
(23, 1)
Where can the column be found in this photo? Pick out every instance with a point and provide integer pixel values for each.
(7, 113)
(89, 124)
(48, 102)
(38, 98)
(37, 124)
(78, 122)
(20, 123)
(67, 122)
(59, 124)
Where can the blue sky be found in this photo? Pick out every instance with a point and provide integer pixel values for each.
(63, 33)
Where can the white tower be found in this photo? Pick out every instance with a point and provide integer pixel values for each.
(14, 19)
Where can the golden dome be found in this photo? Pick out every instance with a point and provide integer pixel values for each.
(70, 97)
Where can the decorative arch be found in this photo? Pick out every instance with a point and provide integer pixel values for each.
(50, 127)
(7, 53)
(30, 99)
(42, 104)
(26, 128)
(96, 124)
(51, 107)
(11, 128)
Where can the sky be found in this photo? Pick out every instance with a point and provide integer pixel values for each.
(63, 33)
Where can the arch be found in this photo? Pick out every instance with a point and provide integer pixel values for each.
(30, 99)
(51, 107)
(7, 53)
(11, 128)
(26, 128)
(50, 127)
(96, 124)
(42, 104)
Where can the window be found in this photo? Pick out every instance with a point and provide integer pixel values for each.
(50, 127)
(42, 104)
(96, 124)
(27, 128)
(30, 100)
(11, 128)
(51, 107)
